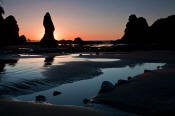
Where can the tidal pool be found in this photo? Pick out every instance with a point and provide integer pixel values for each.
(24, 79)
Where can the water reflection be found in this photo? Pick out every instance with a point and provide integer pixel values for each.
(75, 79)
(2, 65)
(74, 92)
(134, 65)
(10, 62)
(48, 61)
(30, 75)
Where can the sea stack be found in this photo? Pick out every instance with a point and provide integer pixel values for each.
(136, 30)
(48, 40)
(9, 30)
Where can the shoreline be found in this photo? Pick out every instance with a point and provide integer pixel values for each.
(130, 93)
(150, 93)
(21, 108)
(154, 89)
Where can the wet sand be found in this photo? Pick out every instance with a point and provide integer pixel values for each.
(149, 94)
(19, 108)
(153, 90)
(149, 56)
(80, 70)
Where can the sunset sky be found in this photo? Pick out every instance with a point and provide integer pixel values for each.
(88, 19)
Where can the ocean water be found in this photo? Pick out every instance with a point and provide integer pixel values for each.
(23, 79)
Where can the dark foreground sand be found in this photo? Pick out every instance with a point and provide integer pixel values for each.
(149, 94)
(18, 108)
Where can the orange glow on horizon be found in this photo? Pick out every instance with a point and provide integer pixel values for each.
(34, 31)
(69, 28)
(90, 20)
(58, 36)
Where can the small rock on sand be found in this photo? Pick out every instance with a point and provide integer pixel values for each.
(129, 78)
(121, 82)
(40, 98)
(106, 87)
(55, 93)
(158, 67)
(85, 101)
(145, 71)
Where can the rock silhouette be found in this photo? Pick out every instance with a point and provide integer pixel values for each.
(85, 101)
(1, 25)
(11, 62)
(1, 13)
(2, 66)
(106, 87)
(55, 93)
(9, 30)
(48, 61)
(136, 30)
(22, 39)
(78, 40)
(40, 98)
(160, 32)
(48, 39)
(121, 82)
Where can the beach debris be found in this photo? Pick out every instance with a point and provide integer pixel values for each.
(146, 71)
(106, 87)
(40, 98)
(90, 105)
(21, 86)
(55, 93)
(86, 101)
(121, 82)
(81, 55)
(129, 78)
(97, 53)
(158, 67)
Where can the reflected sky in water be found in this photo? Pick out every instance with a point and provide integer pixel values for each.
(23, 78)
